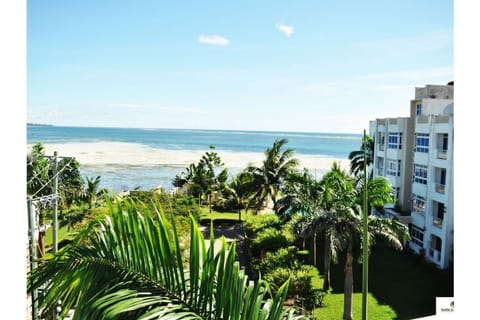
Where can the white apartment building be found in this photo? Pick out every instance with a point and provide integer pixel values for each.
(415, 154)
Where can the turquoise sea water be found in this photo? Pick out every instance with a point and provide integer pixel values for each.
(328, 145)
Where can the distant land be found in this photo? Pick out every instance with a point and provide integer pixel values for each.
(39, 124)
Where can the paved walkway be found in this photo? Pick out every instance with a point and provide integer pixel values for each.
(232, 231)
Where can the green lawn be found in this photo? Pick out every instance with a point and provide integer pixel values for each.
(399, 288)
(63, 233)
(205, 214)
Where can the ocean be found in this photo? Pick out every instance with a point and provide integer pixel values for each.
(127, 158)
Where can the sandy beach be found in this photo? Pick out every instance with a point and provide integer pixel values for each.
(132, 154)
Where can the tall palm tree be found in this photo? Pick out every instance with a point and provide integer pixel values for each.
(275, 168)
(379, 191)
(350, 226)
(129, 265)
(338, 193)
(357, 157)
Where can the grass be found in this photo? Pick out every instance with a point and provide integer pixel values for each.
(400, 287)
(63, 233)
(206, 214)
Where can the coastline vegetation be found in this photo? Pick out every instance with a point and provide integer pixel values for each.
(302, 236)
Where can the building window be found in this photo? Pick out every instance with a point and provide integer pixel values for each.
(381, 141)
(420, 173)
(418, 109)
(418, 203)
(435, 247)
(438, 213)
(380, 166)
(395, 140)
(421, 142)
(417, 236)
(393, 167)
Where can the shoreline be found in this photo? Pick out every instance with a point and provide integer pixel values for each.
(135, 155)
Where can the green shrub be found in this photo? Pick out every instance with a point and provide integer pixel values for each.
(255, 223)
(282, 258)
(314, 299)
(269, 239)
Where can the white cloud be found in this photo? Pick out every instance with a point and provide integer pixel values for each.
(285, 29)
(213, 40)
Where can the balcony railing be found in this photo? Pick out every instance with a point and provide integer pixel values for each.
(437, 222)
(380, 171)
(419, 210)
(442, 154)
(440, 188)
(381, 147)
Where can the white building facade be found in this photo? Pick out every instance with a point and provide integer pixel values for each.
(416, 155)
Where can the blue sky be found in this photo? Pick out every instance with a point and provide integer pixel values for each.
(318, 66)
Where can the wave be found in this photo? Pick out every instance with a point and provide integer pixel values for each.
(264, 133)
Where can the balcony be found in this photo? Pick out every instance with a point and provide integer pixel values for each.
(440, 188)
(381, 147)
(442, 154)
(437, 222)
(380, 171)
(419, 210)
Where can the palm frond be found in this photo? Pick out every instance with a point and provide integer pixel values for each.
(129, 264)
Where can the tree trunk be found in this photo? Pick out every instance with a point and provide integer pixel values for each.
(348, 286)
(315, 250)
(326, 264)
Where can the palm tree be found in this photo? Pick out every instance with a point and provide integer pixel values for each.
(357, 157)
(129, 265)
(301, 195)
(91, 190)
(275, 168)
(350, 227)
(379, 191)
(338, 193)
(240, 191)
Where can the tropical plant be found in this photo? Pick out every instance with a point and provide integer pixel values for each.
(201, 179)
(364, 155)
(350, 227)
(129, 265)
(240, 192)
(269, 177)
(70, 183)
(337, 191)
(302, 195)
(92, 190)
(38, 167)
(379, 192)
